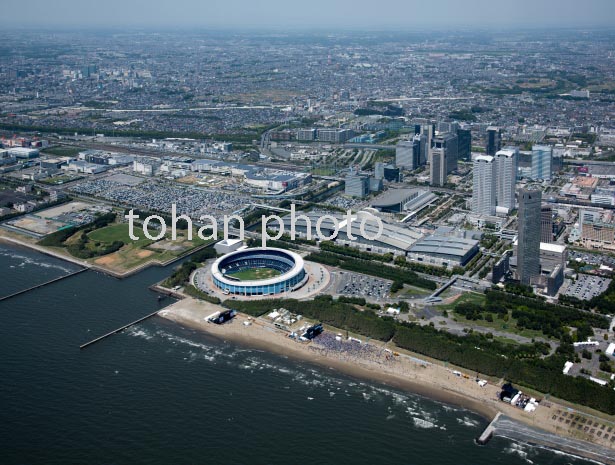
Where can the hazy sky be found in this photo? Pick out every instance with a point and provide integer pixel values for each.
(310, 13)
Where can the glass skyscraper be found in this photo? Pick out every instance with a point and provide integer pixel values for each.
(528, 237)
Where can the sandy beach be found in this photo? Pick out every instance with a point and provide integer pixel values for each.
(411, 373)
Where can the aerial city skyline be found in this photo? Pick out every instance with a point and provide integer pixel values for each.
(239, 232)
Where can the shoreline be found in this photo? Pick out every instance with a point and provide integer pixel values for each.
(85, 264)
(363, 373)
(408, 372)
(405, 373)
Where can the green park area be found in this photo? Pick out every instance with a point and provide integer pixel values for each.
(62, 151)
(107, 244)
(504, 322)
(133, 254)
(465, 298)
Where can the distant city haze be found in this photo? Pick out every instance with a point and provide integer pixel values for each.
(315, 14)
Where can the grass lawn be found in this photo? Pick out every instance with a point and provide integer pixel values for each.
(323, 171)
(509, 326)
(410, 291)
(450, 292)
(62, 151)
(466, 297)
(255, 273)
(139, 252)
(506, 340)
(498, 324)
(119, 232)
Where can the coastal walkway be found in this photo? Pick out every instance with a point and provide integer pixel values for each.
(15, 294)
(120, 329)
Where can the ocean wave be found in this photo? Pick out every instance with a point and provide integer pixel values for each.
(394, 402)
(137, 331)
(469, 422)
(24, 260)
(520, 450)
(422, 423)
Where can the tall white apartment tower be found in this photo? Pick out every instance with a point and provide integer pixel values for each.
(484, 183)
(506, 177)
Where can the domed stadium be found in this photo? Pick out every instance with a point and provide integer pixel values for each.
(259, 271)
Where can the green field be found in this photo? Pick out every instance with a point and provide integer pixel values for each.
(409, 292)
(509, 326)
(139, 252)
(466, 297)
(323, 171)
(255, 274)
(61, 151)
(119, 232)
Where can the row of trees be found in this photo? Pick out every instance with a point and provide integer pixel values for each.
(521, 364)
(82, 247)
(536, 314)
(372, 268)
(57, 238)
(326, 310)
(181, 275)
(427, 269)
(400, 260)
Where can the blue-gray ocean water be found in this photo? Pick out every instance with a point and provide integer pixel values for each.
(160, 394)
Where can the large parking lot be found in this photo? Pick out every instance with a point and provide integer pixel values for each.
(358, 285)
(154, 195)
(595, 259)
(586, 287)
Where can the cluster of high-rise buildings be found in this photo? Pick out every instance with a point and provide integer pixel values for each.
(441, 145)
(494, 182)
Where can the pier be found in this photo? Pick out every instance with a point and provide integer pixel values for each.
(121, 328)
(488, 433)
(15, 294)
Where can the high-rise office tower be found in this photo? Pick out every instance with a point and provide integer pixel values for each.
(546, 224)
(357, 185)
(427, 134)
(447, 126)
(493, 141)
(506, 177)
(483, 186)
(447, 142)
(408, 154)
(423, 140)
(403, 154)
(541, 162)
(464, 144)
(379, 170)
(437, 167)
(557, 158)
(528, 237)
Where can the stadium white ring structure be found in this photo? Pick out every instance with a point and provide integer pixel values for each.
(288, 263)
